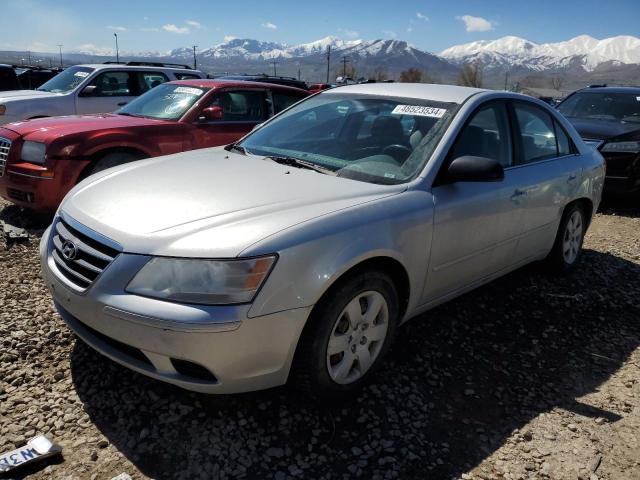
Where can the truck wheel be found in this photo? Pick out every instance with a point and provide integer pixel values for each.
(113, 160)
(567, 248)
(349, 334)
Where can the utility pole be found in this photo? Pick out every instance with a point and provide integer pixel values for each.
(298, 63)
(506, 79)
(28, 57)
(345, 59)
(275, 72)
(117, 52)
(328, 60)
(60, 48)
(195, 62)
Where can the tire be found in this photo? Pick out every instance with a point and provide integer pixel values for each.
(113, 159)
(567, 248)
(344, 321)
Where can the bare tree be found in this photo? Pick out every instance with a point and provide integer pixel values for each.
(471, 75)
(380, 74)
(412, 75)
(557, 81)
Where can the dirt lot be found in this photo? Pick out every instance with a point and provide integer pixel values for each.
(532, 376)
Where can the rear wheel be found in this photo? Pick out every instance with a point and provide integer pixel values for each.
(567, 248)
(349, 334)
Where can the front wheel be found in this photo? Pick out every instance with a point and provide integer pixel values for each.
(567, 248)
(112, 160)
(347, 337)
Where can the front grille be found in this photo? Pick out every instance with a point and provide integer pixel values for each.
(5, 146)
(19, 195)
(90, 259)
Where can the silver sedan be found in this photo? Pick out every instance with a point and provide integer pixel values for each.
(298, 251)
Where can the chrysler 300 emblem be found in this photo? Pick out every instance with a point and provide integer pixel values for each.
(69, 250)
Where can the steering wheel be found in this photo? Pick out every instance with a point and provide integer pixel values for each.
(397, 151)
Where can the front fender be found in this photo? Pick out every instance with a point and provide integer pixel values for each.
(316, 254)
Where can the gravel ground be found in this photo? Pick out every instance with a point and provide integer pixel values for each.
(531, 376)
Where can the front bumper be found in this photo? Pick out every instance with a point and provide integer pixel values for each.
(209, 349)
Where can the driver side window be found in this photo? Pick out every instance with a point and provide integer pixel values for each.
(114, 84)
(486, 135)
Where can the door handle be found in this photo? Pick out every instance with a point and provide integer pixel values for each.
(122, 104)
(517, 194)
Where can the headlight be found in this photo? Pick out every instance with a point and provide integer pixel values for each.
(34, 152)
(621, 147)
(3, 109)
(209, 282)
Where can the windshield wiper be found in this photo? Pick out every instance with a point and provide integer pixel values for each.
(295, 162)
(237, 148)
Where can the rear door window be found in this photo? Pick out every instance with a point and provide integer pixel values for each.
(538, 134)
(148, 80)
(282, 101)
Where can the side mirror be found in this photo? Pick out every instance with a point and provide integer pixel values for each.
(88, 90)
(475, 169)
(212, 113)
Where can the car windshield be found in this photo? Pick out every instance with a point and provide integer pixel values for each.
(363, 137)
(168, 101)
(66, 80)
(620, 107)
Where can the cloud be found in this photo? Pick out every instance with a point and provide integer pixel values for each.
(116, 28)
(409, 29)
(348, 33)
(270, 26)
(422, 16)
(476, 24)
(228, 38)
(170, 27)
(193, 23)
(149, 29)
(390, 33)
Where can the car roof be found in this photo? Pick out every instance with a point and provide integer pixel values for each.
(438, 93)
(102, 66)
(216, 83)
(633, 90)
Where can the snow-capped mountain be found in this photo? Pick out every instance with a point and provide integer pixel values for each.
(250, 49)
(515, 51)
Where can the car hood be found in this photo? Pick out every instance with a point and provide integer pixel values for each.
(56, 126)
(208, 203)
(23, 94)
(602, 129)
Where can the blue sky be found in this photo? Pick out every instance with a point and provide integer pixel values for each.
(160, 25)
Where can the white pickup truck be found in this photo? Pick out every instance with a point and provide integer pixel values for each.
(89, 89)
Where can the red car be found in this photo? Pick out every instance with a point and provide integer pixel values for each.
(42, 159)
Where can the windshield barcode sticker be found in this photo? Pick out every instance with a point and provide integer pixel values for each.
(419, 111)
(189, 90)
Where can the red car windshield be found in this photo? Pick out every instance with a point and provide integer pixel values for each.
(164, 102)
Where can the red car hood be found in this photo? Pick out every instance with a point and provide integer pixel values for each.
(56, 126)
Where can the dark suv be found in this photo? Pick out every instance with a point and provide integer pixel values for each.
(609, 119)
(14, 77)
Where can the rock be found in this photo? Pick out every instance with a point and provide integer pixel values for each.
(573, 427)
(103, 443)
(275, 452)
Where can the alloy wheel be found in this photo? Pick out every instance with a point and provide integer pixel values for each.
(572, 239)
(357, 337)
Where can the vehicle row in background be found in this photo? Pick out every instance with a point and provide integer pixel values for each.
(89, 89)
(25, 77)
(42, 159)
(608, 118)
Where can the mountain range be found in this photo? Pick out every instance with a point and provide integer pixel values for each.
(580, 60)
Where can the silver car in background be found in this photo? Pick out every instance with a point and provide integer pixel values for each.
(298, 251)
